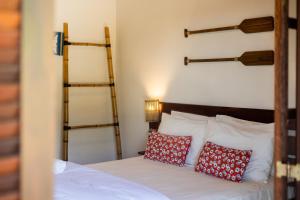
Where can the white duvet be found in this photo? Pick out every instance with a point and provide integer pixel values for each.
(74, 182)
(183, 183)
(140, 179)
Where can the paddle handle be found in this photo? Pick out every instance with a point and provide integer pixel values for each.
(187, 32)
(187, 60)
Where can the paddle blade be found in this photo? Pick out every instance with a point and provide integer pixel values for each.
(254, 58)
(257, 25)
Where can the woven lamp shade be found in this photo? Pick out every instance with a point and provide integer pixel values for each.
(152, 110)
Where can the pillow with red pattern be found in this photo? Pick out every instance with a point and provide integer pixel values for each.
(223, 162)
(167, 148)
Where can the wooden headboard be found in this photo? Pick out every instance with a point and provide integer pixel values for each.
(257, 115)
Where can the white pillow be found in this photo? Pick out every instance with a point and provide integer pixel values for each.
(244, 123)
(190, 116)
(181, 127)
(246, 138)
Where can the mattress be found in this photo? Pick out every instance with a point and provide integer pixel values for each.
(178, 183)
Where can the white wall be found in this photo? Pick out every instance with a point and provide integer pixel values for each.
(151, 48)
(149, 56)
(87, 64)
(38, 101)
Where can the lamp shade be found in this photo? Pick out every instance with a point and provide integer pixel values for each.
(152, 110)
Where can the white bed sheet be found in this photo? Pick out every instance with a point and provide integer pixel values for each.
(182, 183)
(77, 182)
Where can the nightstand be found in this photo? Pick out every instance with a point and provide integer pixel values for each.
(141, 153)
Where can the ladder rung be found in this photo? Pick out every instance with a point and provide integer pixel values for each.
(293, 23)
(89, 84)
(292, 124)
(86, 44)
(90, 126)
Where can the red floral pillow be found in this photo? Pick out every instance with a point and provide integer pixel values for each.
(223, 162)
(168, 149)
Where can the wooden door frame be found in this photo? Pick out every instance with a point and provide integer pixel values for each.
(298, 96)
(39, 81)
(285, 166)
(281, 94)
(38, 100)
(9, 99)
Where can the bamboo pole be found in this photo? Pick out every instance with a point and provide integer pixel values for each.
(113, 94)
(110, 84)
(89, 85)
(66, 92)
(85, 44)
(90, 126)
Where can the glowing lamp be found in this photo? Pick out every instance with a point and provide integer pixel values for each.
(152, 110)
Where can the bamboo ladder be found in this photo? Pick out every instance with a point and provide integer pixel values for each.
(67, 85)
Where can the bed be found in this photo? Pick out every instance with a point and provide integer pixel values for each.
(139, 178)
(179, 183)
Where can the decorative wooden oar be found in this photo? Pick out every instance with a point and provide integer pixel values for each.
(254, 25)
(249, 58)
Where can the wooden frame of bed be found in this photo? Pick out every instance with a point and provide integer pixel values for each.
(250, 114)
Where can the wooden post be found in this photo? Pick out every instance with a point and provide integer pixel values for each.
(66, 93)
(281, 94)
(10, 156)
(298, 96)
(113, 94)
